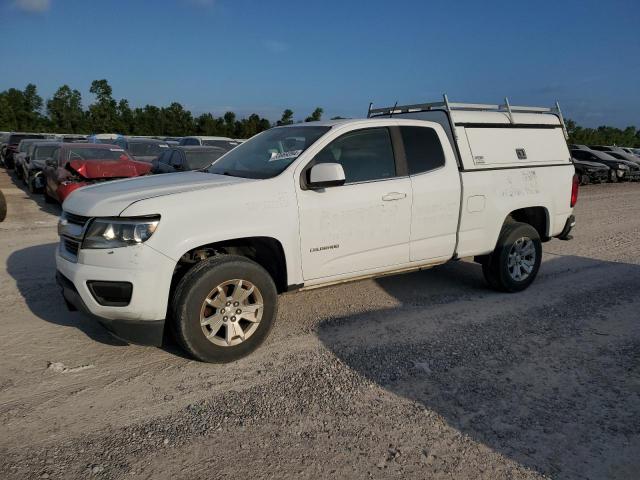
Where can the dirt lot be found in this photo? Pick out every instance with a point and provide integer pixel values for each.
(426, 375)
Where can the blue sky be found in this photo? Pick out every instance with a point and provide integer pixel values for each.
(265, 56)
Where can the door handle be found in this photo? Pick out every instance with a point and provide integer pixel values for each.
(394, 196)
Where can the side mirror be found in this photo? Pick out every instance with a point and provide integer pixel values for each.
(50, 162)
(325, 175)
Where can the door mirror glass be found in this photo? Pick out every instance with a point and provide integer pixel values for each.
(325, 175)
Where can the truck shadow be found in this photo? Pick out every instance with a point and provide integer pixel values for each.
(547, 377)
(33, 269)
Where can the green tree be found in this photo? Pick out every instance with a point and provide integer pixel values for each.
(65, 111)
(177, 120)
(103, 113)
(315, 116)
(8, 120)
(126, 120)
(286, 119)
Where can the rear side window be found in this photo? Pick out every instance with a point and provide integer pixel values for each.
(365, 155)
(422, 148)
(164, 157)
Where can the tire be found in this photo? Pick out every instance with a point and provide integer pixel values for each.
(47, 197)
(31, 185)
(613, 177)
(202, 283)
(3, 207)
(500, 272)
(18, 170)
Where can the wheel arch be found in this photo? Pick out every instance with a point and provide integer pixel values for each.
(538, 217)
(268, 252)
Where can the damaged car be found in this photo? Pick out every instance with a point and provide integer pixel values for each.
(34, 164)
(75, 165)
(591, 172)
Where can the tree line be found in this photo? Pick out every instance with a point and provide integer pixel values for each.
(25, 110)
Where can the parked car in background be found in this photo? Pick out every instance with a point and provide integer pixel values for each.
(622, 155)
(107, 138)
(629, 150)
(75, 165)
(35, 164)
(145, 149)
(22, 154)
(4, 138)
(65, 138)
(591, 172)
(12, 146)
(620, 169)
(222, 142)
(182, 159)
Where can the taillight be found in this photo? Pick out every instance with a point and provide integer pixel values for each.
(574, 190)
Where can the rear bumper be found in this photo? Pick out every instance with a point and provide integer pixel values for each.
(568, 226)
(142, 332)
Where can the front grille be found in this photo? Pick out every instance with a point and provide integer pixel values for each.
(71, 246)
(76, 219)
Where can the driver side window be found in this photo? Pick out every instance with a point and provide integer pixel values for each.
(365, 155)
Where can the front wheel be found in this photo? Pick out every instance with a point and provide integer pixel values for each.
(224, 308)
(515, 262)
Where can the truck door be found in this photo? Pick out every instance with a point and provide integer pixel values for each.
(435, 183)
(363, 224)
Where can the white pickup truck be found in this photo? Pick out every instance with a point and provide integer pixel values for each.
(206, 253)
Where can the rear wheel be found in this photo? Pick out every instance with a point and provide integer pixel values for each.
(3, 207)
(224, 308)
(47, 197)
(515, 262)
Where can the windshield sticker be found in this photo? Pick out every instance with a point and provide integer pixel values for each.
(284, 155)
(116, 150)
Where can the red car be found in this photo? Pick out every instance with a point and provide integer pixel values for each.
(75, 165)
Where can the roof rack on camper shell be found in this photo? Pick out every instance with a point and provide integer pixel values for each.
(449, 107)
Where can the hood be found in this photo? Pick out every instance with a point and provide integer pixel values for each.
(106, 199)
(91, 169)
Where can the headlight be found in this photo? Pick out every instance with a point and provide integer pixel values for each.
(116, 232)
(622, 167)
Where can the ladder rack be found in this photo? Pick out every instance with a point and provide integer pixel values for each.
(479, 107)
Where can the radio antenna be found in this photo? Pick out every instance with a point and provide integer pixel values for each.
(393, 109)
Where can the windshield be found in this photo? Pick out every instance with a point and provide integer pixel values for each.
(269, 153)
(198, 160)
(147, 149)
(97, 154)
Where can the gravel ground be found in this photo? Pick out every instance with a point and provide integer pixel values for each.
(424, 375)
